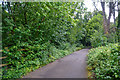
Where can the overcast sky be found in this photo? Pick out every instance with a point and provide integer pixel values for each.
(89, 5)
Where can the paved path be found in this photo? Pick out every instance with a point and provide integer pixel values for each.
(71, 66)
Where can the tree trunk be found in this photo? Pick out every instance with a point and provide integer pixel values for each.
(104, 18)
(110, 12)
(114, 14)
(106, 23)
(118, 27)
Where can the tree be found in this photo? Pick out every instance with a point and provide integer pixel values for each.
(106, 21)
(118, 26)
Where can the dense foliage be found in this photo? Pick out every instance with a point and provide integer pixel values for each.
(35, 34)
(94, 27)
(95, 32)
(104, 62)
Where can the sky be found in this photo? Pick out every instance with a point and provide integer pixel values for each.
(89, 5)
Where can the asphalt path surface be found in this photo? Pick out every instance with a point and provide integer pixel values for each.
(71, 66)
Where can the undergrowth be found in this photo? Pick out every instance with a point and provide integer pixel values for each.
(103, 62)
(21, 61)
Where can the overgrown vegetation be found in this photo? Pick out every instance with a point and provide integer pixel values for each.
(37, 33)
(21, 62)
(103, 62)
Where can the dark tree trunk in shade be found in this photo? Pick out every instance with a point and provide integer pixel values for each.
(104, 18)
(106, 23)
(110, 12)
(114, 13)
(118, 27)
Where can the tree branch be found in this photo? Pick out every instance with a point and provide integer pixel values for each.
(95, 6)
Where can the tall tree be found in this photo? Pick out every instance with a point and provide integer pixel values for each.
(104, 18)
(118, 26)
(106, 22)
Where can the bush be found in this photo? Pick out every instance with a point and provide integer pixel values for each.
(98, 39)
(104, 61)
(112, 37)
(94, 28)
(31, 57)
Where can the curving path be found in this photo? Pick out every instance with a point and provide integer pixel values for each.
(71, 66)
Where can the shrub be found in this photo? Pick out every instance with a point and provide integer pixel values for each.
(98, 39)
(112, 37)
(31, 57)
(104, 61)
(94, 25)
